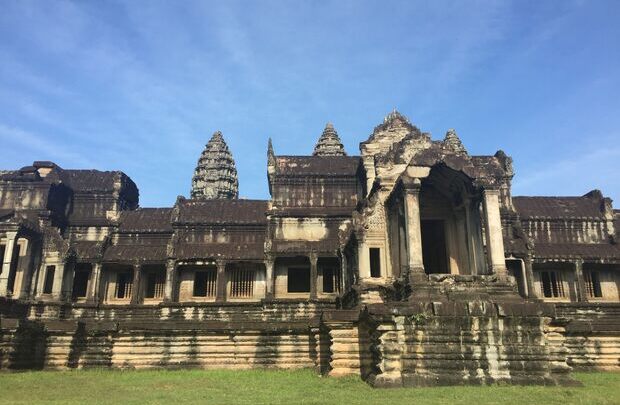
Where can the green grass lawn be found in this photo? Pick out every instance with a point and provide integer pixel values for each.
(276, 387)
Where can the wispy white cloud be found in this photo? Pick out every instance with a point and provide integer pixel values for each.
(574, 175)
(32, 144)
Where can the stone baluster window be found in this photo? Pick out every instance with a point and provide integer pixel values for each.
(331, 280)
(205, 283)
(593, 284)
(242, 283)
(155, 285)
(552, 284)
(124, 285)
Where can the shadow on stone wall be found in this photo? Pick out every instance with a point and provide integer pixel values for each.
(29, 346)
(79, 344)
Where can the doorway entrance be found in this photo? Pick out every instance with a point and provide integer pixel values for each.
(434, 253)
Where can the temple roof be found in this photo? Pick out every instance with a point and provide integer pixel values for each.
(146, 220)
(235, 251)
(207, 212)
(557, 207)
(329, 143)
(215, 176)
(317, 165)
(592, 251)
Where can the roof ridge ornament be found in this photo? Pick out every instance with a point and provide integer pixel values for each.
(329, 143)
(453, 143)
(215, 176)
(271, 156)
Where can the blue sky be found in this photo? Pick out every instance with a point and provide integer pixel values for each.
(140, 86)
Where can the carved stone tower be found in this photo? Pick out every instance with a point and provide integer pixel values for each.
(215, 176)
(329, 143)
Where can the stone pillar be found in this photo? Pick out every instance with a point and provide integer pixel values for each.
(171, 281)
(495, 239)
(314, 275)
(363, 260)
(343, 273)
(580, 284)
(269, 278)
(67, 280)
(369, 167)
(528, 275)
(27, 271)
(136, 294)
(9, 250)
(57, 287)
(220, 291)
(94, 286)
(414, 232)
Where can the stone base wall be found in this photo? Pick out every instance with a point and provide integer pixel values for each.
(590, 333)
(451, 343)
(267, 311)
(394, 344)
(67, 344)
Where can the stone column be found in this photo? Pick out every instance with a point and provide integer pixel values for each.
(269, 278)
(220, 291)
(363, 260)
(529, 277)
(94, 286)
(59, 275)
(314, 275)
(580, 284)
(414, 232)
(495, 239)
(343, 273)
(9, 250)
(136, 294)
(67, 280)
(369, 167)
(27, 271)
(171, 281)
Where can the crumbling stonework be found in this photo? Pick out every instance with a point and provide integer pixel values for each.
(411, 264)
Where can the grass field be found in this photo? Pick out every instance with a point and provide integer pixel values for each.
(276, 387)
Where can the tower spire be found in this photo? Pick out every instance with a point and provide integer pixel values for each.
(215, 176)
(329, 143)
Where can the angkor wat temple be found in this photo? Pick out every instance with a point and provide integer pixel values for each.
(411, 264)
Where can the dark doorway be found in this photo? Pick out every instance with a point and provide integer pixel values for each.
(375, 262)
(298, 279)
(49, 279)
(80, 282)
(434, 254)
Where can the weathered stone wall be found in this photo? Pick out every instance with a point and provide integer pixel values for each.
(282, 334)
(590, 333)
(212, 344)
(447, 343)
(462, 342)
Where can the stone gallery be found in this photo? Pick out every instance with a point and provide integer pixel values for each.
(410, 264)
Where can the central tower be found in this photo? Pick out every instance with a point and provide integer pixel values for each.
(215, 177)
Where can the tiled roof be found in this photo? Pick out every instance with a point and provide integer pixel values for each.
(345, 211)
(89, 180)
(557, 207)
(574, 250)
(146, 220)
(246, 212)
(127, 253)
(87, 250)
(246, 251)
(317, 165)
(329, 245)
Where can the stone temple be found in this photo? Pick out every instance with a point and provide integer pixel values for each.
(409, 264)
